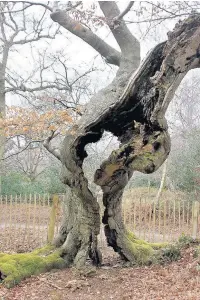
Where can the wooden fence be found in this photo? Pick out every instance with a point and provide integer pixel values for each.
(30, 221)
(163, 221)
(27, 222)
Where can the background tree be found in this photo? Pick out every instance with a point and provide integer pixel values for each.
(16, 29)
(49, 85)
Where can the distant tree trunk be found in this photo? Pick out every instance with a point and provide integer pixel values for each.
(132, 108)
(162, 183)
(3, 65)
(2, 116)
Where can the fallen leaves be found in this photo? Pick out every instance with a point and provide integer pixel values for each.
(170, 282)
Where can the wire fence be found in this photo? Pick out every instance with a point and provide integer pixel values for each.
(28, 222)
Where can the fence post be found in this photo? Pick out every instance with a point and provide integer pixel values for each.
(52, 221)
(195, 219)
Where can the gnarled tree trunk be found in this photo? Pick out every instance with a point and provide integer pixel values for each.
(81, 223)
(133, 108)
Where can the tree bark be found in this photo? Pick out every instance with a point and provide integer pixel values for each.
(162, 184)
(81, 222)
(2, 135)
(88, 215)
(135, 113)
(2, 108)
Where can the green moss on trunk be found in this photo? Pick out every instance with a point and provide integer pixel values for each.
(142, 251)
(17, 267)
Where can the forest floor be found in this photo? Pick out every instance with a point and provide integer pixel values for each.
(177, 280)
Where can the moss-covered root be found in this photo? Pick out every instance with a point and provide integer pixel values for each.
(139, 251)
(16, 267)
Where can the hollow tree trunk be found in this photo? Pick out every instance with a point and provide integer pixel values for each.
(115, 173)
(73, 153)
(135, 113)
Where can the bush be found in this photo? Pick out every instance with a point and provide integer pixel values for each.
(173, 251)
(185, 240)
(170, 253)
(16, 183)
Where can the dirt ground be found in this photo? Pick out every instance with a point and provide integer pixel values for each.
(178, 280)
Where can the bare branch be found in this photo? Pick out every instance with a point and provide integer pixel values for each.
(111, 55)
(23, 88)
(40, 3)
(16, 11)
(81, 76)
(13, 21)
(26, 147)
(22, 42)
(123, 13)
(49, 147)
(2, 27)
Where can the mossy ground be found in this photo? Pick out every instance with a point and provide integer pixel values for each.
(16, 267)
(146, 253)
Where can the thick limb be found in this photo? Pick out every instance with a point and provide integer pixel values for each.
(137, 155)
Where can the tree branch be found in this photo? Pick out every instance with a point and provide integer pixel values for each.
(23, 88)
(50, 148)
(2, 27)
(13, 154)
(111, 55)
(39, 3)
(16, 11)
(128, 44)
(22, 42)
(123, 13)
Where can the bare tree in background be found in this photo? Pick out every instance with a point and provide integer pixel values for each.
(48, 84)
(16, 28)
(184, 123)
(32, 162)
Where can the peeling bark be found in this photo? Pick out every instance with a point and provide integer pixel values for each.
(135, 113)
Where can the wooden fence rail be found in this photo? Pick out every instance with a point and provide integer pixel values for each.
(27, 222)
(163, 221)
(30, 221)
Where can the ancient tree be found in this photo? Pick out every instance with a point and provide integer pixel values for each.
(133, 109)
